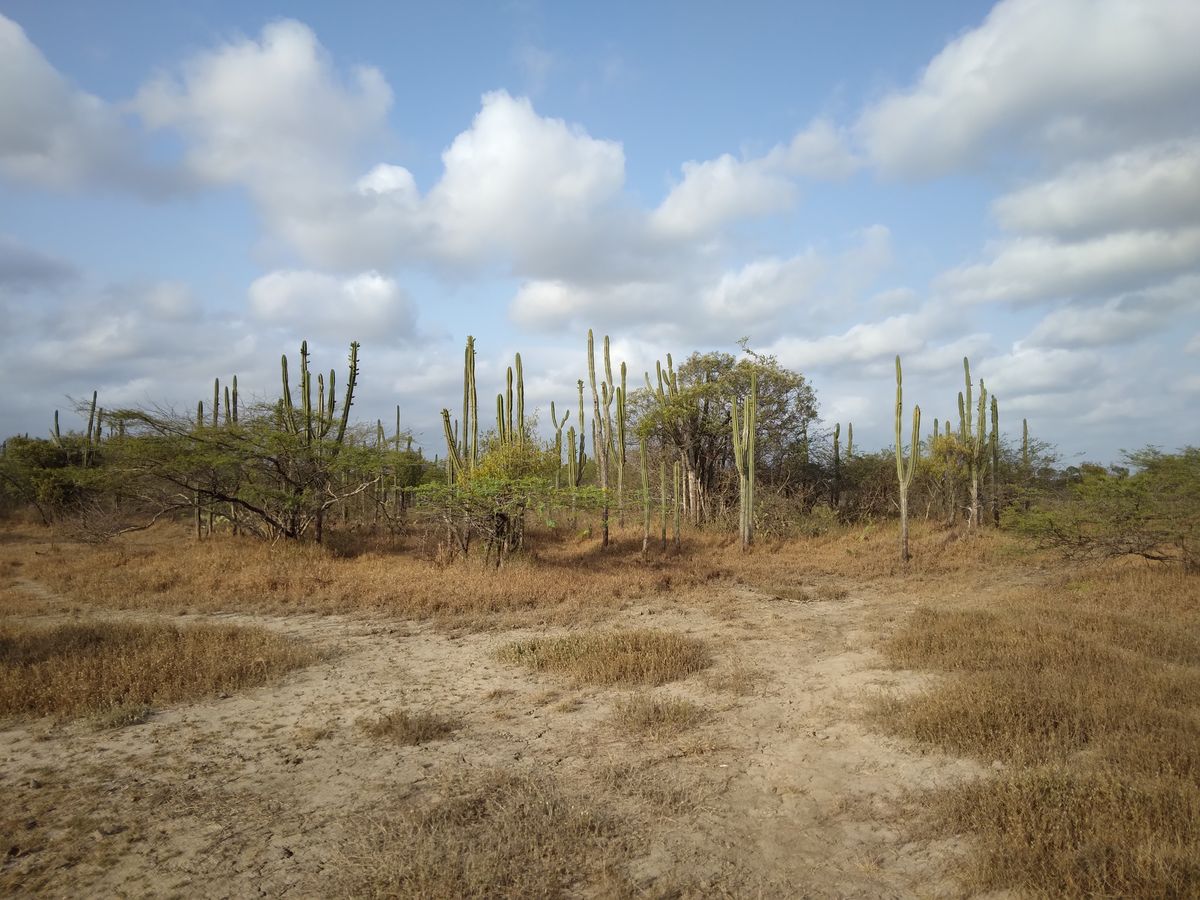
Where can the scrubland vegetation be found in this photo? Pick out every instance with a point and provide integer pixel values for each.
(688, 643)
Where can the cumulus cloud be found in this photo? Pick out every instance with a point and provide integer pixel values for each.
(56, 136)
(345, 309)
(1031, 269)
(268, 112)
(1070, 76)
(1129, 317)
(716, 192)
(23, 268)
(1156, 186)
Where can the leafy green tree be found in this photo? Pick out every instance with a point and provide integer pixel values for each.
(1153, 513)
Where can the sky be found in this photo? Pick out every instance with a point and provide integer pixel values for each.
(189, 190)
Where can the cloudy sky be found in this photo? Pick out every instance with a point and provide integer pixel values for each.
(187, 190)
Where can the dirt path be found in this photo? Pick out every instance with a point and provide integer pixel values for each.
(780, 794)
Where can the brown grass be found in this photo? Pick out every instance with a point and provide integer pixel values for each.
(117, 670)
(1091, 693)
(657, 716)
(491, 835)
(405, 728)
(642, 656)
(561, 582)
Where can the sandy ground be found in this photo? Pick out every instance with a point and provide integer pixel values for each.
(784, 792)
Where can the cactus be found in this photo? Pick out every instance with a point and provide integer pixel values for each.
(744, 447)
(974, 440)
(55, 434)
(349, 401)
(994, 443)
(558, 448)
(235, 400)
(662, 507)
(850, 440)
(903, 475)
(678, 502)
(622, 393)
(645, 497)
(602, 442)
(836, 487)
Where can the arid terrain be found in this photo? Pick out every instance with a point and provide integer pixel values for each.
(760, 737)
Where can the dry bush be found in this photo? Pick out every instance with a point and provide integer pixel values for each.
(491, 835)
(657, 716)
(642, 656)
(114, 669)
(1091, 691)
(405, 728)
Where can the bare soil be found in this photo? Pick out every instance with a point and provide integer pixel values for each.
(782, 788)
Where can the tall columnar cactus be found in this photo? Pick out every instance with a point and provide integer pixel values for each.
(622, 393)
(234, 406)
(850, 440)
(836, 489)
(55, 433)
(520, 401)
(662, 507)
(351, 383)
(974, 440)
(994, 443)
(678, 470)
(602, 424)
(454, 461)
(558, 442)
(645, 496)
(744, 451)
(904, 474)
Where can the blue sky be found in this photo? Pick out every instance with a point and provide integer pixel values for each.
(187, 190)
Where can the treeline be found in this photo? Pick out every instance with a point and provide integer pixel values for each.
(716, 442)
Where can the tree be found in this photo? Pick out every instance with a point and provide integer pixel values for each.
(688, 411)
(1153, 513)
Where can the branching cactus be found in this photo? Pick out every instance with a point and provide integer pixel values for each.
(905, 474)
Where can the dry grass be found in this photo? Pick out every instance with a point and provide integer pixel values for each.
(642, 656)
(657, 716)
(1091, 693)
(562, 583)
(116, 670)
(491, 835)
(408, 729)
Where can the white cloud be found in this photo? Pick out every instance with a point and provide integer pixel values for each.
(368, 304)
(56, 136)
(521, 183)
(1119, 320)
(1156, 186)
(23, 268)
(1070, 75)
(1040, 370)
(266, 112)
(762, 288)
(1030, 269)
(717, 191)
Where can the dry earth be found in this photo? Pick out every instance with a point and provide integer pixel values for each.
(784, 791)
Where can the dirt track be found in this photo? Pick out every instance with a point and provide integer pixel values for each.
(784, 792)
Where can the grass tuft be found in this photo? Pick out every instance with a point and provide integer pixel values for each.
(116, 670)
(657, 716)
(496, 835)
(1091, 694)
(409, 729)
(643, 656)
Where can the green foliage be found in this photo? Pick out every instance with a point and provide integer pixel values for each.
(1153, 513)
